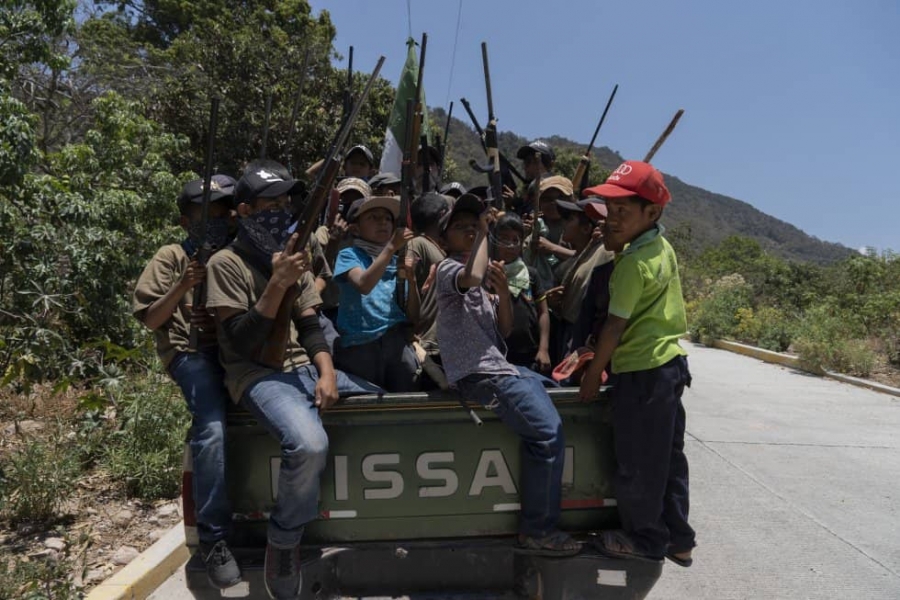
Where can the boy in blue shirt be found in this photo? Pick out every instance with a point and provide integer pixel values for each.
(640, 336)
(375, 342)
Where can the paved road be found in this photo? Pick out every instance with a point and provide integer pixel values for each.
(795, 487)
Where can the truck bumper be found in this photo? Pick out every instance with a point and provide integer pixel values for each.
(483, 568)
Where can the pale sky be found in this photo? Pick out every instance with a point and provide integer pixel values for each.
(793, 107)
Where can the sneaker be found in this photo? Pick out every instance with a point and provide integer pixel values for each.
(221, 567)
(283, 576)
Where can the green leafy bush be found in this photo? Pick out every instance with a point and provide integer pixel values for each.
(35, 479)
(766, 327)
(145, 452)
(716, 314)
(834, 340)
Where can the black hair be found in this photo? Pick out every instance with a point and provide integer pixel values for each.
(427, 211)
(510, 222)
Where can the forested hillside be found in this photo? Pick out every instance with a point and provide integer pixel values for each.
(705, 217)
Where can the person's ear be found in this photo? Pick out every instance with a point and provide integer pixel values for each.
(184, 221)
(655, 211)
(243, 209)
(353, 228)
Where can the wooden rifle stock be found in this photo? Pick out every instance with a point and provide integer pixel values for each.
(665, 134)
(204, 249)
(273, 350)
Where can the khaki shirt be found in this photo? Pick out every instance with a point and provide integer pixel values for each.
(159, 276)
(232, 283)
(428, 256)
(578, 277)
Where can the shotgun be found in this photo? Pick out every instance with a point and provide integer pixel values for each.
(204, 249)
(581, 172)
(272, 353)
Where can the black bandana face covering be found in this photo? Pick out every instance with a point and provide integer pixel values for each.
(264, 233)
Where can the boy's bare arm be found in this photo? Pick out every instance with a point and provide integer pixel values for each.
(159, 313)
(610, 335)
(365, 280)
(413, 300)
(476, 267)
(543, 355)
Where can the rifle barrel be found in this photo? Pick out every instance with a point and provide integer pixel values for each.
(602, 118)
(487, 81)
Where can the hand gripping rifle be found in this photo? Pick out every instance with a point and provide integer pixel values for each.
(414, 112)
(204, 248)
(273, 350)
(508, 170)
(665, 134)
(581, 172)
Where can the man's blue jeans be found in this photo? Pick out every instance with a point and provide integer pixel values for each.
(200, 378)
(524, 406)
(284, 403)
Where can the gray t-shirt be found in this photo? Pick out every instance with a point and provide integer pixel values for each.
(467, 328)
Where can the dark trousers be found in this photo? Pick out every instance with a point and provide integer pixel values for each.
(651, 480)
(389, 362)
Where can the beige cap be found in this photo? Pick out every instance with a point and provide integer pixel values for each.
(559, 182)
(353, 183)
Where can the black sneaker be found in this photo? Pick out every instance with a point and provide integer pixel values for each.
(221, 567)
(283, 577)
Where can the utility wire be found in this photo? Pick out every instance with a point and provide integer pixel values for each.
(453, 59)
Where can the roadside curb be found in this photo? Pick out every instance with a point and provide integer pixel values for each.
(788, 360)
(140, 578)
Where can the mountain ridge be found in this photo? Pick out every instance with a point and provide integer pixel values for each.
(705, 217)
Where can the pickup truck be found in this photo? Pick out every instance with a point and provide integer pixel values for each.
(419, 500)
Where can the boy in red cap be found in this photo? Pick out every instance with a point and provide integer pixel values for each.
(640, 336)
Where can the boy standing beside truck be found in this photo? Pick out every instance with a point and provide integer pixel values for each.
(640, 336)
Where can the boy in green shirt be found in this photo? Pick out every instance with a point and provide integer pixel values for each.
(650, 371)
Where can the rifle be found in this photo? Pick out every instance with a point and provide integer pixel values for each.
(508, 168)
(665, 134)
(581, 172)
(410, 161)
(265, 131)
(204, 249)
(295, 111)
(348, 92)
(272, 353)
(442, 145)
(491, 148)
(427, 183)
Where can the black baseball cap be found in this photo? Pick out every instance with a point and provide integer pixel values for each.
(221, 187)
(539, 146)
(579, 206)
(454, 189)
(262, 182)
(469, 203)
(384, 179)
(366, 152)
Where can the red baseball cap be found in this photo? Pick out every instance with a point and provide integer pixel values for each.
(633, 178)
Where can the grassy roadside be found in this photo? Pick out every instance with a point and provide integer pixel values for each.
(83, 473)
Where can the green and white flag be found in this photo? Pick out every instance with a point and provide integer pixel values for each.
(395, 136)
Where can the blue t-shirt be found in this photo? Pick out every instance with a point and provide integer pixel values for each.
(362, 319)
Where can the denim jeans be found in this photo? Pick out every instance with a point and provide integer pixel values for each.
(200, 378)
(284, 403)
(524, 406)
(388, 361)
(651, 479)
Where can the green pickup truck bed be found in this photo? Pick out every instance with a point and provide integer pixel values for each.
(418, 500)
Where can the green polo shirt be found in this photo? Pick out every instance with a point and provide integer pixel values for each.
(645, 289)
